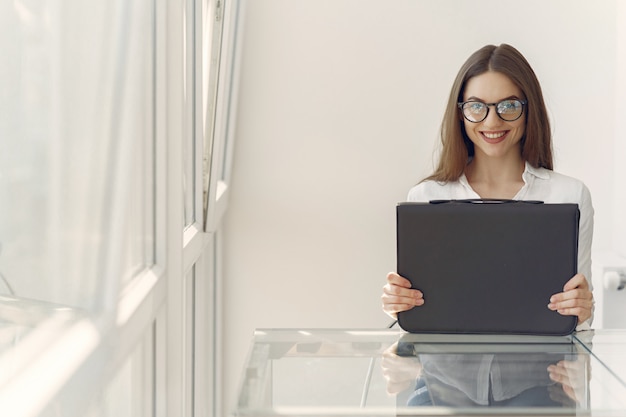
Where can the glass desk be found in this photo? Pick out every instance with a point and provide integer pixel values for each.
(389, 372)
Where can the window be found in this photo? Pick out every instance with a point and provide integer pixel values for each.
(110, 114)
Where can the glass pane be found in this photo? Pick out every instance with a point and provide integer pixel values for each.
(212, 42)
(191, 90)
(139, 234)
(190, 331)
(394, 373)
(131, 392)
(75, 100)
(609, 346)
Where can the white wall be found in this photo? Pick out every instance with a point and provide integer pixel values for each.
(611, 303)
(339, 108)
(619, 238)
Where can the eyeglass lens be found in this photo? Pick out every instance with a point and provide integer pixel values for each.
(508, 110)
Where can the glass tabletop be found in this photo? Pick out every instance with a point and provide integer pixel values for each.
(324, 372)
(609, 347)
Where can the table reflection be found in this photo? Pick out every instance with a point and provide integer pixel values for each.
(439, 373)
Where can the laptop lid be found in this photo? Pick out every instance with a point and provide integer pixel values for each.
(487, 266)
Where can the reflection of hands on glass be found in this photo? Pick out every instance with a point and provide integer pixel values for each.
(572, 376)
(399, 296)
(399, 371)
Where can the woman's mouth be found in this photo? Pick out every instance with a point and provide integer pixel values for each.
(494, 137)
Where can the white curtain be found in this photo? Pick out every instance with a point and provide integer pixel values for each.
(76, 86)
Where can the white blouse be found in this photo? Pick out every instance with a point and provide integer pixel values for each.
(539, 184)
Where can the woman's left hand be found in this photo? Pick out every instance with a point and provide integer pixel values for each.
(575, 300)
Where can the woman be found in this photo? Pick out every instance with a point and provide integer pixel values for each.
(496, 143)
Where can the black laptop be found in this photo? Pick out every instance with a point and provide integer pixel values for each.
(487, 267)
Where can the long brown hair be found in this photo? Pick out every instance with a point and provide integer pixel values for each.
(536, 144)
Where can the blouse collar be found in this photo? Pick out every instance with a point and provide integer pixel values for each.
(542, 173)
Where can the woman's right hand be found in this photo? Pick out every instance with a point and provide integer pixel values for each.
(399, 296)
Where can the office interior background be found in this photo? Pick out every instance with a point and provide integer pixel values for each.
(175, 174)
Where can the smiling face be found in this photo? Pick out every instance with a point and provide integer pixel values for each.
(494, 137)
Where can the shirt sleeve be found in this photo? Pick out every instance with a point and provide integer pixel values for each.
(419, 193)
(585, 238)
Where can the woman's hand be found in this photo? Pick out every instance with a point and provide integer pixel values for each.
(575, 300)
(399, 296)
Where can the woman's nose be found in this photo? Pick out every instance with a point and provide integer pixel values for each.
(492, 119)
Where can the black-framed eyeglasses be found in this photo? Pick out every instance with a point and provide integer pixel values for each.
(477, 111)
